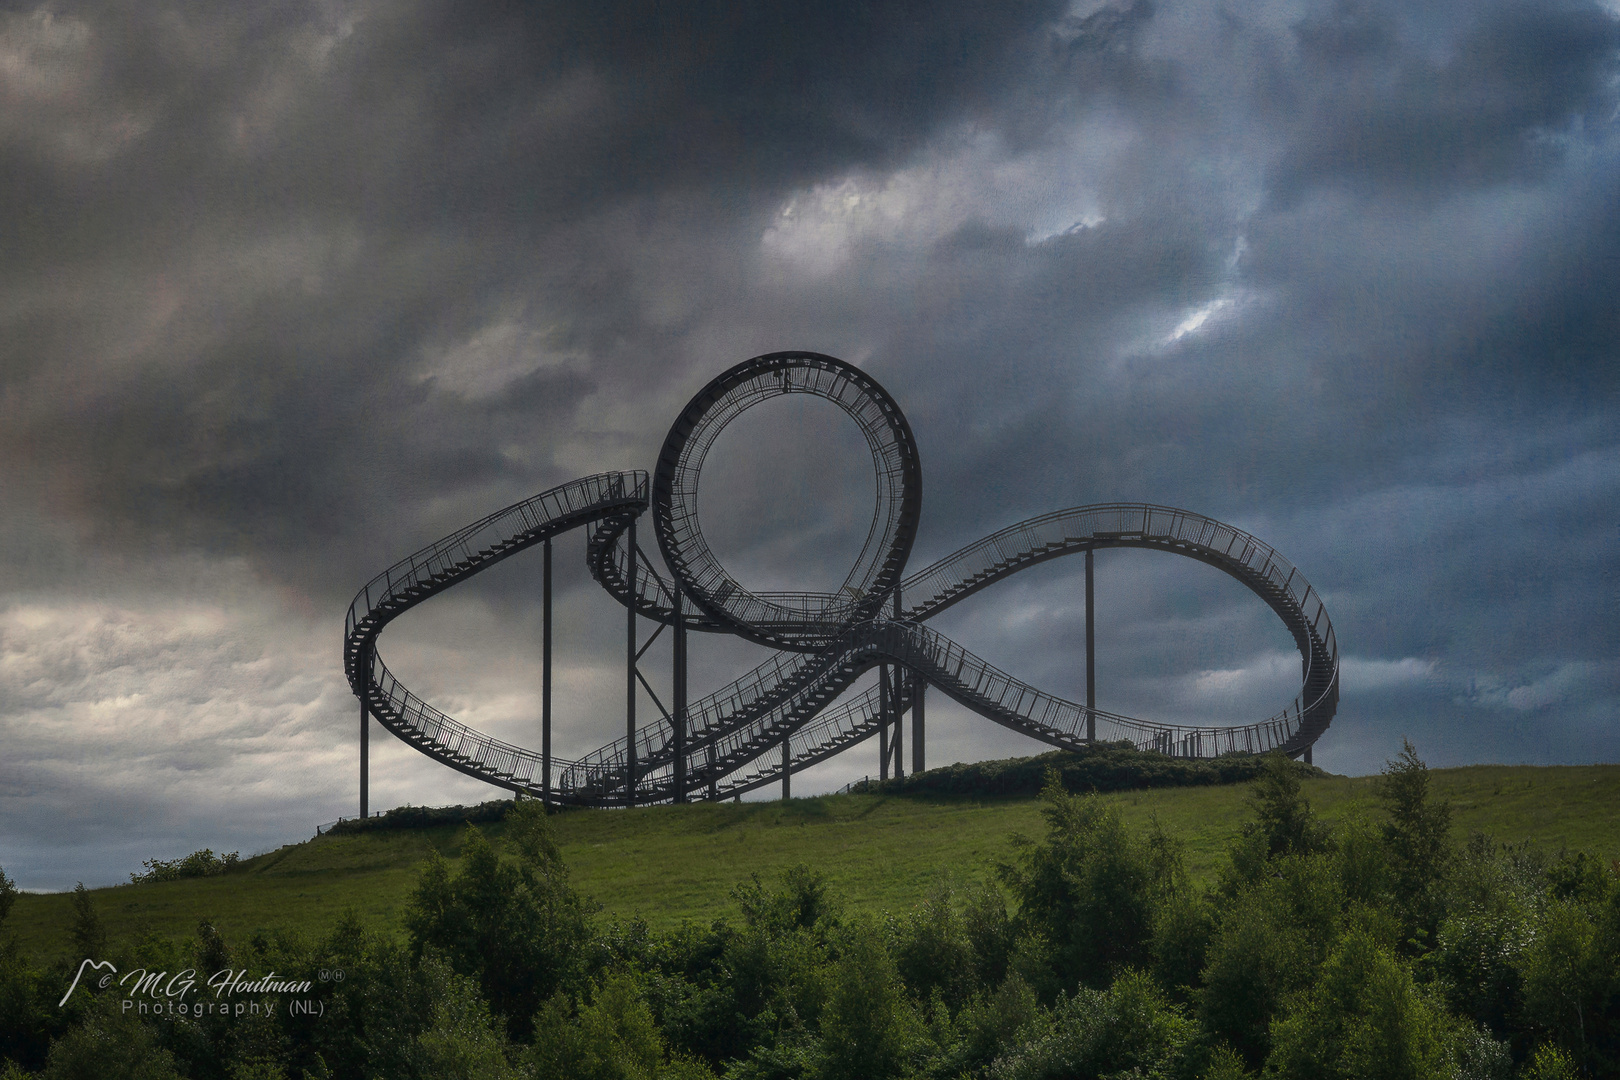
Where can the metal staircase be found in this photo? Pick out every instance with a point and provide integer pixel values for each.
(825, 642)
(734, 730)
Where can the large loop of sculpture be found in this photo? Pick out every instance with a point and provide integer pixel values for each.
(803, 621)
(796, 709)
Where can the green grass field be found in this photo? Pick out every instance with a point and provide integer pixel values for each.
(669, 864)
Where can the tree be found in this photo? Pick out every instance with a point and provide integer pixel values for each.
(867, 1027)
(1251, 969)
(462, 1043)
(1550, 1063)
(1183, 927)
(28, 1009)
(613, 1037)
(934, 953)
(514, 924)
(1091, 889)
(8, 894)
(802, 900)
(109, 1046)
(89, 937)
(1225, 1064)
(990, 1024)
(372, 1017)
(1418, 835)
(1571, 990)
(1273, 938)
(1283, 818)
(1362, 1017)
(777, 959)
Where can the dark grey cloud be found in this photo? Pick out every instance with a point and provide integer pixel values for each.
(287, 292)
(1385, 104)
(320, 196)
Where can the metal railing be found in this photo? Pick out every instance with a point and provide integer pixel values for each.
(736, 733)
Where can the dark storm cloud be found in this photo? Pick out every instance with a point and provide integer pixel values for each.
(338, 192)
(1385, 102)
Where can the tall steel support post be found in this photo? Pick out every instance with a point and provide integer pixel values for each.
(920, 685)
(787, 771)
(883, 721)
(630, 671)
(899, 723)
(679, 681)
(365, 736)
(1091, 657)
(900, 675)
(545, 672)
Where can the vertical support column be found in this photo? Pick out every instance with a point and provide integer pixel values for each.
(545, 673)
(917, 765)
(630, 670)
(365, 735)
(1307, 755)
(1091, 658)
(679, 681)
(900, 676)
(883, 721)
(787, 772)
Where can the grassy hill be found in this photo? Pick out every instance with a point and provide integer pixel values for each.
(882, 851)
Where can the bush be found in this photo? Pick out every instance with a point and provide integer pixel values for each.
(1130, 1029)
(953, 952)
(202, 863)
(1103, 767)
(422, 817)
(109, 1046)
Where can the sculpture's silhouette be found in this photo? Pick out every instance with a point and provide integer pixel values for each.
(780, 717)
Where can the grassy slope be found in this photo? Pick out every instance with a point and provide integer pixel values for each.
(883, 852)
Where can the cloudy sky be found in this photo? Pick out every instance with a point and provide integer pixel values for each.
(289, 290)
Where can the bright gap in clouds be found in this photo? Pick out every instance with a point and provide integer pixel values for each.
(1197, 318)
(1048, 192)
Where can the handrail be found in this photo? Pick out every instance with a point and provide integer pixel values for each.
(826, 641)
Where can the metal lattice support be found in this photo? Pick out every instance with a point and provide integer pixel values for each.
(792, 711)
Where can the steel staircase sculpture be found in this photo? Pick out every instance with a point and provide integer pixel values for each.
(787, 712)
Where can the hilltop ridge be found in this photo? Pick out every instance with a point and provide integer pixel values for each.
(884, 850)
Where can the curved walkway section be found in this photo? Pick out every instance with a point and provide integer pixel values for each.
(799, 698)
